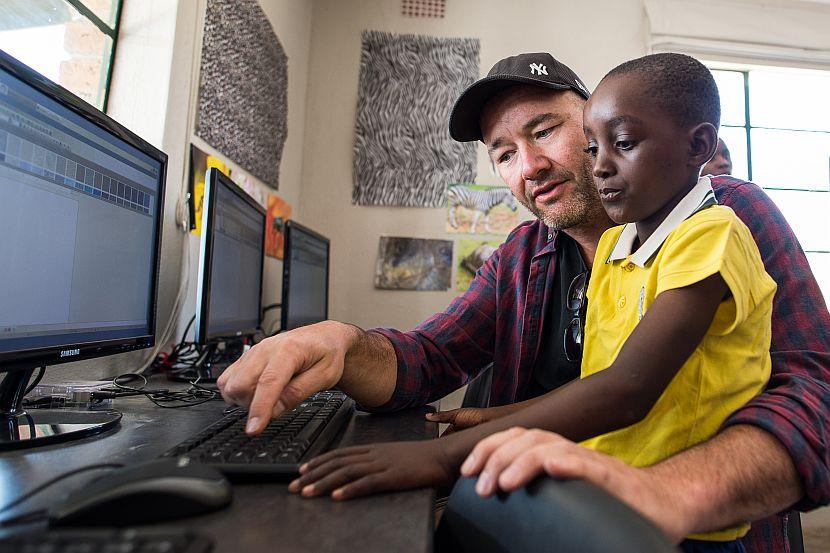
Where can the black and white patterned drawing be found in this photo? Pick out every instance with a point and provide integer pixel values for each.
(403, 153)
(243, 87)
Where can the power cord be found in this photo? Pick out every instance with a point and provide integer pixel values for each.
(194, 395)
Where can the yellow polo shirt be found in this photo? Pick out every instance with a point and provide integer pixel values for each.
(731, 364)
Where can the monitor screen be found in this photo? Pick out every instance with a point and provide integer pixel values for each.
(230, 263)
(305, 280)
(80, 207)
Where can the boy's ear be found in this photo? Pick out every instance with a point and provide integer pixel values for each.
(703, 143)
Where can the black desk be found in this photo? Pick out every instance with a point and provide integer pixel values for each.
(263, 516)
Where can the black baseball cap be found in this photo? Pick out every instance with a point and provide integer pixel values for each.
(540, 69)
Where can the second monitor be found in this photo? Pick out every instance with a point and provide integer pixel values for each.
(305, 282)
(229, 288)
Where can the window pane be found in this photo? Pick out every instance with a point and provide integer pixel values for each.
(731, 90)
(105, 9)
(735, 140)
(807, 214)
(54, 39)
(791, 159)
(789, 99)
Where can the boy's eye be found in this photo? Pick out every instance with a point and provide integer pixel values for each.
(624, 144)
(591, 151)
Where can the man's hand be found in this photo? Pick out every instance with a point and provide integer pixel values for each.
(459, 419)
(373, 468)
(279, 372)
(509, 460)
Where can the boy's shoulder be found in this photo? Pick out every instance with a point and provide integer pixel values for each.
(715, 216)
(708, 222)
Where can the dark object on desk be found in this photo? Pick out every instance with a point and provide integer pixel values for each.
(158, 490)
(107, 541)
(286, 442)
(546, 515)
(38, 427)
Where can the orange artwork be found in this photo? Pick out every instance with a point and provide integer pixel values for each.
(279, 211)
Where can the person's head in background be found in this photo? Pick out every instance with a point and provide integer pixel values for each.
(721, 163)
(651, 125)
(528, 113)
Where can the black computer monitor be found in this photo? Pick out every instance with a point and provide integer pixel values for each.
(305, 277)
(80, 220)
(229, 290)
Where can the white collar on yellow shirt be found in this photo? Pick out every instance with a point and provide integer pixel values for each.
(699, 197)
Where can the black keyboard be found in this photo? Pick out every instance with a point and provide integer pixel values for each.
(107, 541)
(296, 436)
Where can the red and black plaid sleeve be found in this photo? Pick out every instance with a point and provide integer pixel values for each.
(795, 407)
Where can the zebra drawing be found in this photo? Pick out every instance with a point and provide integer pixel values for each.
(481, 202)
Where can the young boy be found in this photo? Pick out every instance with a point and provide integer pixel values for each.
(678, 323)
(680, 258)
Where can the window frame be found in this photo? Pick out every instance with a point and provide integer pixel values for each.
(748, 127)
(111, 32)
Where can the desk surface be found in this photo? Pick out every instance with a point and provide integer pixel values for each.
(263, 515)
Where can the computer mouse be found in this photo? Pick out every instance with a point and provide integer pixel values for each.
(154, 491)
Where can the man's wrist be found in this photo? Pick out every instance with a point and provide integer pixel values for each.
(677, 502)
(370, 365)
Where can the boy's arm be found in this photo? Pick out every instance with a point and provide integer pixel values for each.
(611, 399)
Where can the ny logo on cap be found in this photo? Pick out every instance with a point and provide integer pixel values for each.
(538, 69)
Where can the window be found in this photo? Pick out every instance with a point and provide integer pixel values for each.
(777, 128)
(72, 42)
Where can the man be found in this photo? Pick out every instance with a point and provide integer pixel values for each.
(721, 163)
(528, 112)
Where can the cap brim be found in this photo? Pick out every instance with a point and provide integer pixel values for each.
(466, 113)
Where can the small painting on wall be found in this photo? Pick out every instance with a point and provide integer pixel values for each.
(479, 209)
(471, 256)
(413, 264)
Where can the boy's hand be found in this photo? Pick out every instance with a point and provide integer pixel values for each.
(372, 468)
(459, 419)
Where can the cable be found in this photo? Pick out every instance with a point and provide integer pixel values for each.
(186, 329)
(194, 395)
(55, 480)
(36, 381)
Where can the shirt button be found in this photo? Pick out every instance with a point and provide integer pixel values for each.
(621, 302)
(550, 236)
(629, 267)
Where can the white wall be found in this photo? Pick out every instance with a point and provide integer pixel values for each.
(590, 37)
(291, 21)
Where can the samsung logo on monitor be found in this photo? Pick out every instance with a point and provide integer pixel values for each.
(70, 352)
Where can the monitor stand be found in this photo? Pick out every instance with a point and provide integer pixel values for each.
(206, 370)
(20, 429)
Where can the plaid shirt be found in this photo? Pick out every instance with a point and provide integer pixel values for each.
(500, 318)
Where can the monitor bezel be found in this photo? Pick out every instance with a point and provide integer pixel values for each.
(213, 178)
(286, 270)
(77, 351)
